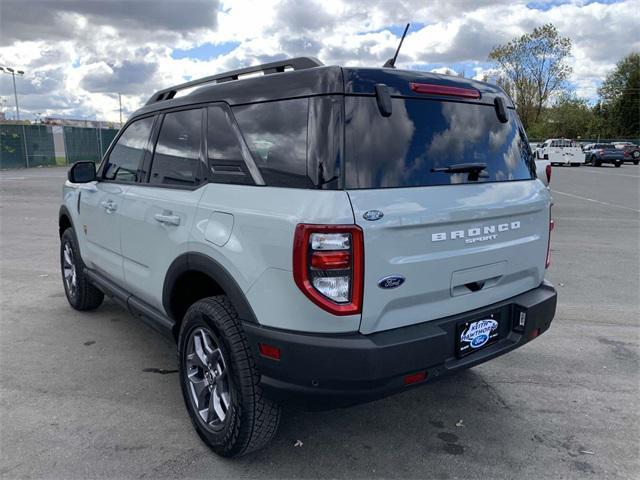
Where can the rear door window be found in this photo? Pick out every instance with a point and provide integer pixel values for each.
(125, 159)
(403, 150)
(276, 133)
(176, 160)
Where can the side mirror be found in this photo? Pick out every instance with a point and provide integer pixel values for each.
(82, 172)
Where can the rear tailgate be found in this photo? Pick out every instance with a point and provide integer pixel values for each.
(458, 248)
(613, 154)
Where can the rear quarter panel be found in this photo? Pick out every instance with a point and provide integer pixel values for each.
(259, 250)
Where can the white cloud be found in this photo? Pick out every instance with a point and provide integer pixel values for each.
(79, 54)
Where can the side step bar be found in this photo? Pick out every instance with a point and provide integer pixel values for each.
(139, 309)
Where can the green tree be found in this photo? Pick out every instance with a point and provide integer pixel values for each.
(533, 68)
(620, 97)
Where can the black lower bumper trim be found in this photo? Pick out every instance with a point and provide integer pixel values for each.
(359, 367)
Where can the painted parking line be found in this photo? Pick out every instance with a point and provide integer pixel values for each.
(596, 201)
(604, 173)
(38, 177)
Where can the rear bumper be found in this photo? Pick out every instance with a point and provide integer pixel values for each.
(612, 159)
(356, 367)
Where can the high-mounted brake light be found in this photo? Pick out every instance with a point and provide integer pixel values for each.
(328, 266)
(431, 89)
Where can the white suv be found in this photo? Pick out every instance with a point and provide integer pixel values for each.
(317, 233)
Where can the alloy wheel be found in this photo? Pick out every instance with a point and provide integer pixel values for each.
(69, 270)
(207, 378)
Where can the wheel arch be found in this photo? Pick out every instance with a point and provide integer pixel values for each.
(193, 276)
(64, 220)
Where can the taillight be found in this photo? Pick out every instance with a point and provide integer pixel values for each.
(431, 89)
(548, 172)
(552, 225)
(328, 266)
(601, 152)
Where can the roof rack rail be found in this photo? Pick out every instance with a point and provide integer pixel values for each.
(298, 63)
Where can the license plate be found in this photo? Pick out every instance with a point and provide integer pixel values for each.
(477, 334)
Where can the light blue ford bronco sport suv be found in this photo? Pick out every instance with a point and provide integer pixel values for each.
(315, 233)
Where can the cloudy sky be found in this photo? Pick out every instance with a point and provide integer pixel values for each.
(78, 54)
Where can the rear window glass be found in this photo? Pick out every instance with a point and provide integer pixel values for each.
(276, 133)
(563, 143)
(422, 135)
(226, 163)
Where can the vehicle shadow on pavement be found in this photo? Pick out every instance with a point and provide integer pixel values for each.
(459, 419)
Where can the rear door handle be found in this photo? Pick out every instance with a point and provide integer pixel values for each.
(109, 206)
(167, 219)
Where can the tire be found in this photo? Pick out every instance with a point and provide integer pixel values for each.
(635, 162)
(81, 294)
(216, 364)
(618, 164)
(636, 156)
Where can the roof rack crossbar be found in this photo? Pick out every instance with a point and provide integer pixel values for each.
(298, 63)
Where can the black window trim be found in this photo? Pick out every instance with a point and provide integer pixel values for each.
(105, 158)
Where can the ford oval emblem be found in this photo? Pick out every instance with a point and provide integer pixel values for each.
(392, 281)
(372, 215)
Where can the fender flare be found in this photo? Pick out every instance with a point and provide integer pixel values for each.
(198, 262)
(64, 212)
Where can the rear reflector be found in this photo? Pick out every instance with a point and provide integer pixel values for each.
(431, 89)
(534, 333)
(269, 351)
(552, 225)
(415, 377)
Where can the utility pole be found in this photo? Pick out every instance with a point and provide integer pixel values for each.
(120, 102)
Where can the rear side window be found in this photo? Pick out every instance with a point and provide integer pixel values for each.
(276, 133)
(127, 154)
(402, 150)
(176, 160)
(226, 163)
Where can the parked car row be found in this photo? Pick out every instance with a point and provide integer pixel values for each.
(563, 151)
(615, 153)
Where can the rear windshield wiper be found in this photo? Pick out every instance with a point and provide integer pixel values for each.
(473, 169)
(462, 168)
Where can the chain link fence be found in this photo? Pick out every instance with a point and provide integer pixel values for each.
(46, 145)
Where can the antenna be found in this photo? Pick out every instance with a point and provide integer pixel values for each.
(391, 63)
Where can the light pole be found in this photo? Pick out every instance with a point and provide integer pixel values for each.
(120, 102)
(12, 72)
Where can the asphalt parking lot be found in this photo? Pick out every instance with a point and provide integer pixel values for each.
(94, 395)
